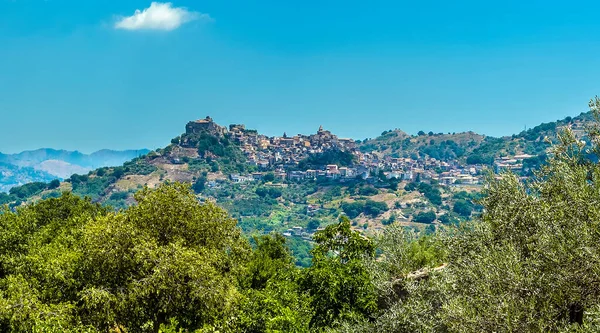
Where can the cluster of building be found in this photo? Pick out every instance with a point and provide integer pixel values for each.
(299, 232)
(281, 156)
(268, 152)
(514, 163)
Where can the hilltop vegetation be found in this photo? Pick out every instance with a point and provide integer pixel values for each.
(437, 145)
(473, 147)
(168, 263)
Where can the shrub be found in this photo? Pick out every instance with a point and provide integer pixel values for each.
(463, 208)
(368, 191)
(313, 224)
(424, 217)
(119, 196)
(54, 184)
(375, 208)
(353, 209)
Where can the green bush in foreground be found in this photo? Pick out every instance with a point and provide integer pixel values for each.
(166, 264)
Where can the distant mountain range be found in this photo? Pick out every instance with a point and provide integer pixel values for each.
(43, 165)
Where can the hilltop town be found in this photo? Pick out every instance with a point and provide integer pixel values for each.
(284, 155)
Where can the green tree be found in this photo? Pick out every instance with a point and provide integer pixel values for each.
(119, 196)
(268, 177)
(353, 209)
(38, 279)
(368, 207)
(271, 298)
(338, 282)
(79, 266)
(537, 243)
(367, 191)
(410, 295)
(463, 208)
(375, 208)
(425, 217)
(199, 184)
(27, 190)
(393, 183)
(313, 224)
(54, 184)
(331, 156)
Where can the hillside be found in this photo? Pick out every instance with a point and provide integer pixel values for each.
(436, 145)
(297, 184)
(470, 147)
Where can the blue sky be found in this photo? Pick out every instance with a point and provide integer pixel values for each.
(82, 75)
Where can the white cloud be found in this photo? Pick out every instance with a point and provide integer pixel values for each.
(159, 16)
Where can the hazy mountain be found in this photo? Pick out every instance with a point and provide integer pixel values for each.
(12, 175)
(61, 169)
(43, 165)
(101, 158)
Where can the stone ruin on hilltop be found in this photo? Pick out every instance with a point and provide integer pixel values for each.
(206, 125)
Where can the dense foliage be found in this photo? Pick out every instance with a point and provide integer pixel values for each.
(430, 191)
(80, 266)
(338, 280)
(368, 207)
(442, 150)
(331, 156)
(167, 263)
(424, 217)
